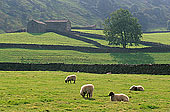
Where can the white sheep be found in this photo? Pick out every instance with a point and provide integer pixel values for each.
(136, 88)
(70, 78)
(87, 89)
(118, 97)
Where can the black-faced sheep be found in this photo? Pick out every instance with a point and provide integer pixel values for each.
(136, 88)
(70, 78)
(118, 97)
(87, 89)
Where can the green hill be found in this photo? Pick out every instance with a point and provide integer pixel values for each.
(14, 14)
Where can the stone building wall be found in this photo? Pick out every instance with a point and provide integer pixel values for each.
(36, 27)
(58, 25)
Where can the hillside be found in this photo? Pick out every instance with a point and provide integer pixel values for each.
(16, 13)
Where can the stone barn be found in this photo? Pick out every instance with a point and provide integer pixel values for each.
(58, 25)
(35, 26)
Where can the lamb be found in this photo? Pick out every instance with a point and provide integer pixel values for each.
(118, 97)
(136, 88)
(70, 78)
(87, 89)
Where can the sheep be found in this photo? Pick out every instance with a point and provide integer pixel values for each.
(70, 78)
(109, 73)
(118, 97)
(136, 88)
(87, 89)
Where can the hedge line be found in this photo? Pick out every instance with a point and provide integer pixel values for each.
(161, 69)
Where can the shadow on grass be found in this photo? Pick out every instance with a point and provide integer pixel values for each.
(132, 58)
(36, 33)
(89, 98)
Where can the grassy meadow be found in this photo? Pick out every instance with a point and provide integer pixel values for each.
(99, 32)
(23, 55)
(76, 57)
(42, 39)
(163, 38)
(46, 91)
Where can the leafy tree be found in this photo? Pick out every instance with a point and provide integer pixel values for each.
(168, 25)
(121, 28)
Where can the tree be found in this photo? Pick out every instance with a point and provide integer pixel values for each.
(121, 28)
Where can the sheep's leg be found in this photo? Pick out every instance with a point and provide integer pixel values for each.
(74, 81)
(90, 95)
(87, 95)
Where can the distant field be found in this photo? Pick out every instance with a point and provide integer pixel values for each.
(104, 42)
(163, 38)
(71, 57)
(42, 39)
(52, 39)
(47, 92)
(100, 32)
(21, 55)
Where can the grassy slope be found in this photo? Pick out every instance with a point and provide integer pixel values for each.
(24, 10)
(42, 39)
(68, 56)
(100, 32)
(163, 38)
(46, 91)
(16, 13)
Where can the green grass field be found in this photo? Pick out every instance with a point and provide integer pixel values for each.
(99, 32)
(76, 57)
(46, 91)
(163, 38)
(69, 56)
(42, 39)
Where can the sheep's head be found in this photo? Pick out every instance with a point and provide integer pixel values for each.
(65, 81)
(111, 94)
(133, 87)
(83, 94)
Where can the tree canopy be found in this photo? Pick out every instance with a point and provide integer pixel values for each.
(121, 28)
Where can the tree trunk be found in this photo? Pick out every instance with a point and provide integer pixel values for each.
(124, 39)
(124, 45)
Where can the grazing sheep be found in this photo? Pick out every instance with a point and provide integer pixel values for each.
(136, 88)
(109, 73)
(118, 97)
(70, 78)
(87, 89)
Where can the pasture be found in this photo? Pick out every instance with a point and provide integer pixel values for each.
(46, 91)
(41, 39)
(163, 38)
(39, 56)
(55, 55)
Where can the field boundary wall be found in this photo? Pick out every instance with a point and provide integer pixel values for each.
(161, 69)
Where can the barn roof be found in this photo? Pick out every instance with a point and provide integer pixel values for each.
(56, 21)
(40, 22)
